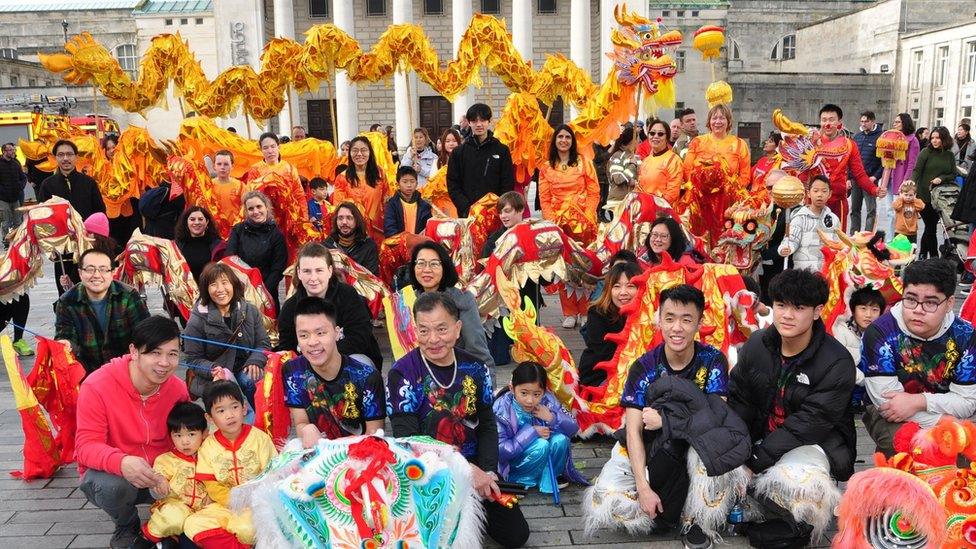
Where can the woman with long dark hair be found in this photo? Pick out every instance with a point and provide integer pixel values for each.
(566, 182)
(667, 236)
(431, 269)
(196, 237)
(364, 185)
(936, 166)
(603, 317)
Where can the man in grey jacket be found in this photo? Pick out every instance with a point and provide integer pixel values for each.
(867, 144)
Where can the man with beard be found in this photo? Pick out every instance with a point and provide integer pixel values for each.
(329, 394)
(442, 392)
(349, 235)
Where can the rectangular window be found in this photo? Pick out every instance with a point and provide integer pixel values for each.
(375, 7)
(941, 66)
(32, 82)
(789, 47)
(694, 13)
(433, 7)
(970, 66)
(916, 71)
(318, 8)
(168, 22)
(126, 54)
(938, 115)
(184, 21)
(666, 13)
(679, 60)
(681, 13)
(491, 7)
(966, 112)
(547, 6)
(914, 114)
(199, 21)
(14, 81)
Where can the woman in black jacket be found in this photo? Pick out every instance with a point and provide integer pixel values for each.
(196, 237)
(602, 318)
(314, 271)
(259, 243)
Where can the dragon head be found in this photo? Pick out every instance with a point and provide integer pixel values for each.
(747, 230)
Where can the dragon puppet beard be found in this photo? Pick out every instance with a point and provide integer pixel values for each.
(747, 231)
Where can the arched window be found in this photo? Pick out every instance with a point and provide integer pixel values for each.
(128, 60)
(734, 53)
(785, 48)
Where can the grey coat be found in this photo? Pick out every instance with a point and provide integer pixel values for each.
(474, 340)
(206, 323)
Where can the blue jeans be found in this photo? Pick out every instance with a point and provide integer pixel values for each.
(248, 387)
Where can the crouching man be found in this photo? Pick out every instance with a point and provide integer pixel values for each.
(792, 386)
(684, 447)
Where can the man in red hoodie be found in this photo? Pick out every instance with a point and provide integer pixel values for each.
(122, 411)
(842, 161)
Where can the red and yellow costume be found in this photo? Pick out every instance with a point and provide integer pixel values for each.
(565, 193)
(662, 175)
(839, 156)
(228, 197)
(368, 199)
(718, 169)
(762, 168)
(187, 495)
(221, 465)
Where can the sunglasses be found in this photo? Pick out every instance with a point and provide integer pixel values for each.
(656, 134)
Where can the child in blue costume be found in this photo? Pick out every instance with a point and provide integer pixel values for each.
(534, 432)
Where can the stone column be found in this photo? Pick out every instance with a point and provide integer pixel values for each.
(522, 27)
(347, 107)
(405, 105)
(284, 25)
(239, 30)
(607, 24)
(460, 19)
(579, 37)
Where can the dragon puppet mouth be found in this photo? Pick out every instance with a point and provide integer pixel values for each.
(740, 256)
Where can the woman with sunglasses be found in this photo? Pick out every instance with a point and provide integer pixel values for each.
(661, 172)
(567, 180)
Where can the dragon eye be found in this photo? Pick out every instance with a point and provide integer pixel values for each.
(647, 36)
(729, 224)
(751, 226)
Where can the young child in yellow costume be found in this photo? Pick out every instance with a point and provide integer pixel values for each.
(234, 454)
(183, 493)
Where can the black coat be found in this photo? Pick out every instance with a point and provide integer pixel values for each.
(362, 251)
(83, 194)
(817, 399)
(263, 247)
(12, 180)
(705, 421)
(393, 215)
(352, 316)
(598, 349)
(965, 210)
(476, 169)
(161, 213)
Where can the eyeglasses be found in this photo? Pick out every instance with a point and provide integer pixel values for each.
(92, 270)
(660, 236)
(911, 304)
(434, 264)
(657, 134)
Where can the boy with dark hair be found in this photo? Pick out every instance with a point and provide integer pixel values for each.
(480, 165)
(329, 394)
(320, 195)
(792, 386)
(802, 240)
(406, 211)
(181, 493)
(659, 434)
(866, 305)
(233, 454)
(918, 358)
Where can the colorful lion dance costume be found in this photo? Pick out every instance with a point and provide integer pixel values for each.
(368, 492)
(918, 498)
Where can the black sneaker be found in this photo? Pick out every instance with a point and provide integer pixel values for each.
(142, 543)
(696, 538)
(124, 536)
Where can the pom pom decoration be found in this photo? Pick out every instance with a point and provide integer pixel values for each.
(718, 93)
(892, 147)
(788, 192)
(709, 41)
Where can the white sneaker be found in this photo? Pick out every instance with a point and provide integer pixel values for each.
(582, 321)
(569, 322)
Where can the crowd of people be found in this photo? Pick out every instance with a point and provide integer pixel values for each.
(788, 402)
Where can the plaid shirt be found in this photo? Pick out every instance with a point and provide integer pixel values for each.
(76, 322)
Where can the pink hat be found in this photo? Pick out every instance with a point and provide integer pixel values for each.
(97, 223)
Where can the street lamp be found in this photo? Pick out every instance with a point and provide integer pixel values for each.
(64, 26)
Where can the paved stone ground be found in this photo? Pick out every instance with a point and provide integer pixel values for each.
(55, 514)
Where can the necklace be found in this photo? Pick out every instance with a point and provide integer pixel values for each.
(431, 371)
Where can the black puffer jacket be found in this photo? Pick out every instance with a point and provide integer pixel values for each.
(260, 245)
(717, 434)
(817, 399)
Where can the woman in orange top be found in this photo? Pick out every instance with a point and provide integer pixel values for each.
(272, 163)
(568, 180)
(661, 172)
(364, 185)
(731, 154)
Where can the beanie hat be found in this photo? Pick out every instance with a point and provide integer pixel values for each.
(97, 223)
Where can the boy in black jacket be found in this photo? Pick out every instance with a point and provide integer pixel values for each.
(481, 165)
(792, 386)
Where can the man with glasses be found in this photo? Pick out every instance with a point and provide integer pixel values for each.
(96, 318)
(79, 190)
(918, 358)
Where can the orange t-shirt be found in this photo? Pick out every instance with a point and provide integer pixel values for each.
(409, 216)
(662, 175)
(229, 197)
(368, 199)
(906, 216)
(571, 184)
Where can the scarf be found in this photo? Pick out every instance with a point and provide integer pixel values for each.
(346, 241)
